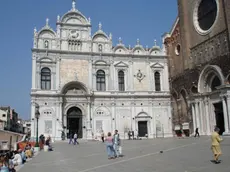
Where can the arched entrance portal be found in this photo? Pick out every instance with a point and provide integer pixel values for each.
(74, 121)
(211, 77)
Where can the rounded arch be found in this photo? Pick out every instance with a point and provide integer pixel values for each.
(76, 84)
(138, 48)
(72, 105)
(47, 30)
(100, 34)
(74, 14)
(143, 113)
(207, 76)
(120, 47)
(184, 93)
(75, 109)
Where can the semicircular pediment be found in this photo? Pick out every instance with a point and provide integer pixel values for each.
(74, 17)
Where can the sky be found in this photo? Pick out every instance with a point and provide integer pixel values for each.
(146, 20)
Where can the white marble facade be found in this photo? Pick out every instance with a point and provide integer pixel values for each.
(114, 87)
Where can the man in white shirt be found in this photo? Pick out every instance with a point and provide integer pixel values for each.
(75, 138)
(17, 159)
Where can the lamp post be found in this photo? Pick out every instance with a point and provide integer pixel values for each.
(37, 114)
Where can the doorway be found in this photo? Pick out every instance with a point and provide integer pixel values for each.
(142, 128)
(219, 114)
(74, 121)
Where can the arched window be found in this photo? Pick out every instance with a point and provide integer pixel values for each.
(45, 79)
(100, 80)
(157, 78)
(121, 80)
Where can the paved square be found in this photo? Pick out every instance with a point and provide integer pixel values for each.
(180, 155)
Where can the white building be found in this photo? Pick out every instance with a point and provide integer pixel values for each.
(83, 83)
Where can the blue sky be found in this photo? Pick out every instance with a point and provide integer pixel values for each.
(129, 19)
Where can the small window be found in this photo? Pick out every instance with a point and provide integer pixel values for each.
(157, 78)
(121, 80)
(3, 115)
(45, 79)
(100, 80)
(177, 50)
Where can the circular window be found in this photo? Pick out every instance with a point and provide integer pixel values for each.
(205, 14)
(177, 49)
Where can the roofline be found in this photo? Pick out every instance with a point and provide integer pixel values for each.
(174, 25)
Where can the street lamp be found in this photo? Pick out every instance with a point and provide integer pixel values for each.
(37, 114)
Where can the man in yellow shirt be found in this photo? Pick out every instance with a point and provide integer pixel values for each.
(216, 145)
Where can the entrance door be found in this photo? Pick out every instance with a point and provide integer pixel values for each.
(142, 128)
(219, 117)
(74, 121)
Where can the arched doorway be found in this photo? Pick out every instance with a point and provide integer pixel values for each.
(74, 121)
(212, 82)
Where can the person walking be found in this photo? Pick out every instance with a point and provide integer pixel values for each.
(75, 139)
(70, 138)
(216, 149)
(197, 132)
(116, 144)
(102, 136)
(109, 146)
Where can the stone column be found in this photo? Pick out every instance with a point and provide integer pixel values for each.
(112, 81)
(107, 82)
(90, 75)
(226, 126)
(207, 116)
(194, 117)
(131, 75)
(170, 131)
(33, 126)
(201, 115)
(58, 73)
(34, 76)
(154, 122)
(228, 108)
(197, 115)
(113, 117)
(89, 129)
(94, 86)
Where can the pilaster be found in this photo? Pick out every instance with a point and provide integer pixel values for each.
(194, 117)
(226, 126)
(201, 115)
(34, 72)
(207, 116)
(197, 115)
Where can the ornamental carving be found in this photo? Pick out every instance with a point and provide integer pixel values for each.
(140, 76)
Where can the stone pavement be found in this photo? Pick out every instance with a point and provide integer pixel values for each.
(179, 155)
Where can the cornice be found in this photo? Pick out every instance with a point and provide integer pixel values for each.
(112, 54)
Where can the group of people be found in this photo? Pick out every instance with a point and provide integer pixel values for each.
(73, 139)
(15, 158)
(113, 145)
(45, 141)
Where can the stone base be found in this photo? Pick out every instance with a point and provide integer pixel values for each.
(36, 149)
(226, 134)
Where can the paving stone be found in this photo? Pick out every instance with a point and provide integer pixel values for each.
(179, 155)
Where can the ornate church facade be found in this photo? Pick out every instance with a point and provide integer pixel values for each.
(84, 84)
(198, 49)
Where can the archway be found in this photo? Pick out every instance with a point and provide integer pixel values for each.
(74, 121)
(211, 77)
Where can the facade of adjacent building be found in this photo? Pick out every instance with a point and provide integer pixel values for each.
(9, 119)
(84, 84)
(199, 65)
